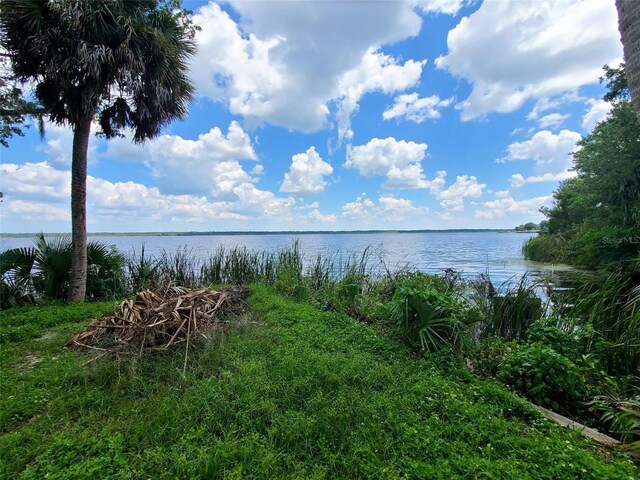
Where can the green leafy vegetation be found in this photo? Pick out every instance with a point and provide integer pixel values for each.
(43, 271)
(561, 353)
(27, 322)
(544, 376)
(509, 311)
(623, 417)
(15, 108)
(297, 393)
(595, 221)
(428, 320)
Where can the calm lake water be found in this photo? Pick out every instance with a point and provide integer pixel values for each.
(468, 252)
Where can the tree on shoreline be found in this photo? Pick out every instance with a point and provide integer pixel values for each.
(596, 217)
(120, 62)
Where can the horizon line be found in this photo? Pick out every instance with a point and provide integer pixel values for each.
(260, 232)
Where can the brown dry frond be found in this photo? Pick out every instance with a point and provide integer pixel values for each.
(158, 319)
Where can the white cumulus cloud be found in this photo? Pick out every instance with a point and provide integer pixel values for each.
(452, 198)
(551, 152)
(411, 107)
(507, 205)
(449, 7)
(34, 182)
(209, 165)
(306, 174)
(40, 193)
(553, 120)
(322, 218)
(37, 211)
(388, 209)
(513, 51)
(279, 63)
(517, 180)
(376, 72)
(398, 160)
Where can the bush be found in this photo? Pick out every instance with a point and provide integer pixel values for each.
(545, 377)
(509, 311)
(604, 247)
(142, 271)
(288, 273)
(544, 248)
(611, 305)
(14, 293)
(289, 280)
(489, 354)
(562, 336)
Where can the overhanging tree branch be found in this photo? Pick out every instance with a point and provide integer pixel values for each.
(14, 112)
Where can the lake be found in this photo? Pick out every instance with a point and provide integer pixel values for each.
(468, 252)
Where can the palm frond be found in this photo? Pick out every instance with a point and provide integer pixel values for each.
(17, 262)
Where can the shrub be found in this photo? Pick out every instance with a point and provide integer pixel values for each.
(562, 336)
(344, 285)
(15, 292)
(544, 248)
(142, 270)
(105, 274)
(544, 376)
(611, 305)
(580, 345)
(597, 380)
(288, 273)
(489, 354)
(604, 246)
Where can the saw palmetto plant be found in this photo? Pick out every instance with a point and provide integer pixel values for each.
(43, 270)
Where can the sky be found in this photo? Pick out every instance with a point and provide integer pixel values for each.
(345, 115)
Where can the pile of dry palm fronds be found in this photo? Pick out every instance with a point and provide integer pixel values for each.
(156, 320)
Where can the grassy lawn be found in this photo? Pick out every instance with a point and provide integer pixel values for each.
(299, 393)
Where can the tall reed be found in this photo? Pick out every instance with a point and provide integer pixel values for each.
(508, 310)
(142, 270)
(612, 306)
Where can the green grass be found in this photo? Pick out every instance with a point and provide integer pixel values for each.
(21, 323)
(299, 394)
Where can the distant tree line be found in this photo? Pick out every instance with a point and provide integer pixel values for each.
(533, 227)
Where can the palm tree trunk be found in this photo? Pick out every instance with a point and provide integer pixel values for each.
(629, 26)
(79, 210)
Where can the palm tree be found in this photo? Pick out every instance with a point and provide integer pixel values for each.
(122, 62)
(629, 26)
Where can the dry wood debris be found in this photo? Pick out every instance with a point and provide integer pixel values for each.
(158, 319)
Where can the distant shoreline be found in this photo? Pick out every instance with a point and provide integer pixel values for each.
(238, 233)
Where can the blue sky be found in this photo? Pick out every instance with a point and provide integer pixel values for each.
(310, 115)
